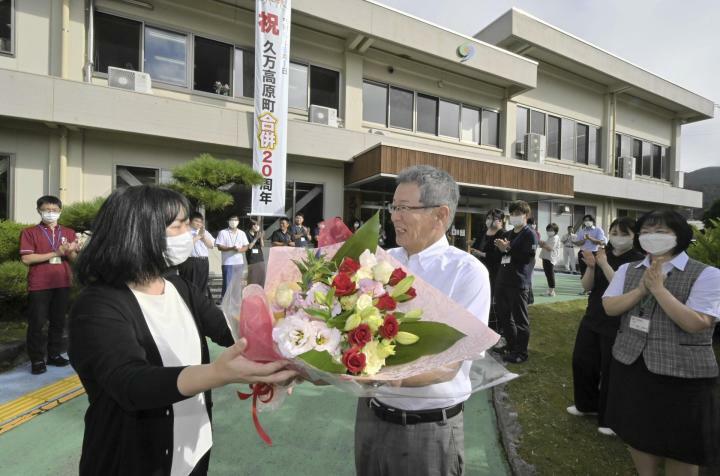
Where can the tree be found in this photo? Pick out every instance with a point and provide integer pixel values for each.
(202, 178)
(706, 247)
(712, 213)
(80, 215)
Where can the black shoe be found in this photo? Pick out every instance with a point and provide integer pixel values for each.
(515, 358)
(58, 361)
(38, 368)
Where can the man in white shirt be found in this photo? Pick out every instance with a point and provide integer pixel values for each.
(196, 268)
(233, 244)
(418, 428)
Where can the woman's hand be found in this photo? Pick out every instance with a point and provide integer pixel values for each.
(232, 367)
(502, 244)
(654, 279)
(601, 257)
(589, 259)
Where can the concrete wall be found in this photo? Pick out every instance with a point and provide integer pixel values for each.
(644, 121)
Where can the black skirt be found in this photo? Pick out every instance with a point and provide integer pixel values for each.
(671, 417)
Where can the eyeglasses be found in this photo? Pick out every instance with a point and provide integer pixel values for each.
(405, 208)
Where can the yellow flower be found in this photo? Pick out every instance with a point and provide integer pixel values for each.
(363, 302)
(386, 348)
(382, 272)
(414, 314)
(348, 302)
(371, 316)
(284, 295)
(406, 338)
(374, 358)
(352, 322)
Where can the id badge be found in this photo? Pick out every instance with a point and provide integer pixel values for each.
(55, 260)
(302, 238)
(640, 324)
(505, 260)
(255, 251)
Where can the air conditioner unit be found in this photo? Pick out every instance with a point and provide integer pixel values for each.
(535, 147)
(520, 147)
(323, 115)
(628, 167)
(129, 79)
(564, 209)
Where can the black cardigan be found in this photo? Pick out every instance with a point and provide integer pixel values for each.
(129, 423)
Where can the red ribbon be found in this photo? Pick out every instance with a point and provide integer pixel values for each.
(259, 390)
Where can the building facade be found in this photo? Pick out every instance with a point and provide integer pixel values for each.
(521, 111)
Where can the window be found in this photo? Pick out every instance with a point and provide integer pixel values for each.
(427, 108)
(401, 108)
(375, 102)
(637, 153)
(7, 26)
(553, 137)
(128, 176)
(656, 161)
(665, 164)
(521, 124)
(581, 143)
(4, 186)
(117, 43)
(594, 141)
(166, 56)
(646, 159)
(490, 128)
(470, 123)
(298, 86)
(537, 122)
(243, 73)
(324, 87)
(567, 139)
(213, 66)
(448, 117)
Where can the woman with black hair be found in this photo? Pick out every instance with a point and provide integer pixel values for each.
(485, 250)
(664, 396)
(596, 333)
(254, 254)
(137, 341)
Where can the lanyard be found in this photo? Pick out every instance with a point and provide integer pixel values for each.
(51, 241)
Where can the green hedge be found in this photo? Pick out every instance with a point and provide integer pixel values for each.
(10, 240)
(80, 215)
(13, 280)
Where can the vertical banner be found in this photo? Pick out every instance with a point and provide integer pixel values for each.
(272, 62)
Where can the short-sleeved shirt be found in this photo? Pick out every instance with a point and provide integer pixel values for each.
(40, 239)
(254, 254)
(594, 232)
(703, 296)
(200, 249)
(303, 240)
(228, 238)
(516, 266)
(279, 236)
(554, 243)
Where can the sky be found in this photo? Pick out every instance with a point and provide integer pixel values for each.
(676, 40)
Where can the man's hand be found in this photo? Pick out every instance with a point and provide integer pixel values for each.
(502, 244)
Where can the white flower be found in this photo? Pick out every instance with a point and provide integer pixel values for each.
(382, 271)
(294, 335)
(284, 295)
(375, 358)
(363, 302)
(326, 338)
(367, 259)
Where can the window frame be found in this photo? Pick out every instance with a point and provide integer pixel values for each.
(158, 172)
(11, 183)
(413, 128)
(13, 35)
(387, 103)
(417, 116)
(664, 154)
(233, 80)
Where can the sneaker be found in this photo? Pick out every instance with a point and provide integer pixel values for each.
(574, 411)
(58, 361)
(515, 358)
(38, 368)
(603, 430)
(550, 293)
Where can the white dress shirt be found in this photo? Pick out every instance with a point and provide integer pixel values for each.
(463, 279)
(176, 337)
(228, 238)
(703, 296)
(200, 249)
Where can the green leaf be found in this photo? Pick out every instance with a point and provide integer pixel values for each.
(402, 287)
(319, 313)
(322, 361)
(435, 337)
(408, 319)
(330, 298)
(366, 238)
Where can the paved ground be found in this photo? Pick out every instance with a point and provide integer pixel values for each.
(312, 432)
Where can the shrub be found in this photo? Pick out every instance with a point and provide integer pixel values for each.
(10, 240)
(80, 215)
(706, 247)
(13, 280)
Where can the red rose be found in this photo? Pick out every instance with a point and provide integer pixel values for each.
(386, 303)
(397, 276)
(349, 266)
(390, 327)
(360, 336)
(343, 285)
(354, 360)
(411, 293)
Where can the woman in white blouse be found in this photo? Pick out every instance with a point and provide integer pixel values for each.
(137, 341)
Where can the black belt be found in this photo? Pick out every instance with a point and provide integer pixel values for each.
(402, 417)
(199, 257)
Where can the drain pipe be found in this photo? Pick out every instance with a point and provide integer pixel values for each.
(89, 41)
(64, 73)
(62, 179)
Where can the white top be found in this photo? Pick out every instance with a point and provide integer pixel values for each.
(703, 296)
(568, 239)
(551, 256)
(178, 341)
(228, 238)
(465, 280)
(200, 249)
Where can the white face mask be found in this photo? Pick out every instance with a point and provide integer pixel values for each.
(50, 217)
(621, 243)
(178, 248)
(233, 224)
(588, 224)
(488, 223)
(658, 243)
(551, 234)
(517, 220)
